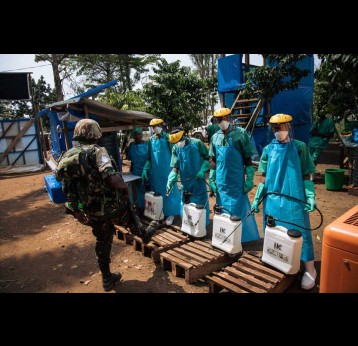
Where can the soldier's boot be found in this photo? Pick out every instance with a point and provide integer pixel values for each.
(109, 279)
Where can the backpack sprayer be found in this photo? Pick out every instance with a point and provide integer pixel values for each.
(282, 247)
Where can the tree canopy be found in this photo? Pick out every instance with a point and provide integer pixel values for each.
(336, 86)
(268, 81)
(175, 94)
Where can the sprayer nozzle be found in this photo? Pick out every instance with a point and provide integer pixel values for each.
(149, 232)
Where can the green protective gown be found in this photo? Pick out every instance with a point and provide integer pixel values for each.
(317, 143)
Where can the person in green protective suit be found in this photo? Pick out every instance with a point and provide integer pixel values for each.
(137, 153)
(285, 165)
(321, 132)
(231, 150)
(213, 128)
(158, 162)
(190, 158)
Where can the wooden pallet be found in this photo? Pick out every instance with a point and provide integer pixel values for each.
(249, 275)
(194, 260)
(124, 234)
(164, 239)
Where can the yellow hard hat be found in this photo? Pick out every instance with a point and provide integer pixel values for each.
(222, 112)
(280, 118)
(155, 122)
(175, 136)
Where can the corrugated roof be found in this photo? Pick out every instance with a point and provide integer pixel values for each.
(107, 116)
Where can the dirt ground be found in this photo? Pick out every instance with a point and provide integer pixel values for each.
(42, 249)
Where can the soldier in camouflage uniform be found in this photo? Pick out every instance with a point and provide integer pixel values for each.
(99, 187)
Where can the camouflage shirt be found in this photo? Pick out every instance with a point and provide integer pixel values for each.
(99, 199)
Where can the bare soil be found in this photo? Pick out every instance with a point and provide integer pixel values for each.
(43, 249)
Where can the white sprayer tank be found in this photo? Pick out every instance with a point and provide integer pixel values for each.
(282, 249)
(153, 206)
(194, 219)
(222, 227)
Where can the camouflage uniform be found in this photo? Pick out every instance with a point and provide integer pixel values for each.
(103, 205)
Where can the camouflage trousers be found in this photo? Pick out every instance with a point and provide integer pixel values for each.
(103, 231)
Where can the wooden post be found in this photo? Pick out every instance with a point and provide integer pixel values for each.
(222, 95)
(247, 64)
(86, 110)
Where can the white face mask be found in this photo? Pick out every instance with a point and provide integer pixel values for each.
(158, 130)
(224, 124)
(281, 135)
(181, 144)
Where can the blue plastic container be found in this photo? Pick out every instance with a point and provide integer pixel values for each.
(54, 189)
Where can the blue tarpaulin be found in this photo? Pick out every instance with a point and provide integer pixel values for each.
(229, 73)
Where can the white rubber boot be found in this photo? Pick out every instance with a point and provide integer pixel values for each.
(169, 220)
(309, 276)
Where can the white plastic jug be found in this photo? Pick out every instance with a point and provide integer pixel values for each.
(194, 220)
(282, 249)
(222, 227)
(153, 206)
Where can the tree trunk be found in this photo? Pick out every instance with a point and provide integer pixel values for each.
(57, 78)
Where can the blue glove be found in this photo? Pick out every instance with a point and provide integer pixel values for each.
(212, 178)
(147, 166)
(249, 182)
(172, 179)
(258, 196)
(309, 191)
(205, 165)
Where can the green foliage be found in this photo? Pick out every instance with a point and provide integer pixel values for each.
(176, 95)
(266, 82)
(131, 100)
(102, 68)
(336, 86)
(206, 68)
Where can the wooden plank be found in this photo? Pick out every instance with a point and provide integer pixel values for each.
(171, 238)
(248, 278)
(176, 234)
(160, 240)
(247, 100)
(219, 281)
(191, 255)
(251, 257)
(256, 273)
(284, 284)
(261, 268)
(245, 107)
(16, 139)
(183, 257)
(189, 248)
(172, 258)
(205, 248)
(215, 264)
(241, 283)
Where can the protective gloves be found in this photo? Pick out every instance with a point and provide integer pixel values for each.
(258, 196)
(172, 178)
(205, 165)
(147, 166)
(249, 182)
(212, 178)
(309, 190)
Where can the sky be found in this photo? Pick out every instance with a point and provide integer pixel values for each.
(26, 63)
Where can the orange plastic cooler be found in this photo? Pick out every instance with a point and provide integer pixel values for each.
(339, 268)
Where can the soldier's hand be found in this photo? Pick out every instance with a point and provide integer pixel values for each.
(119, 184)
